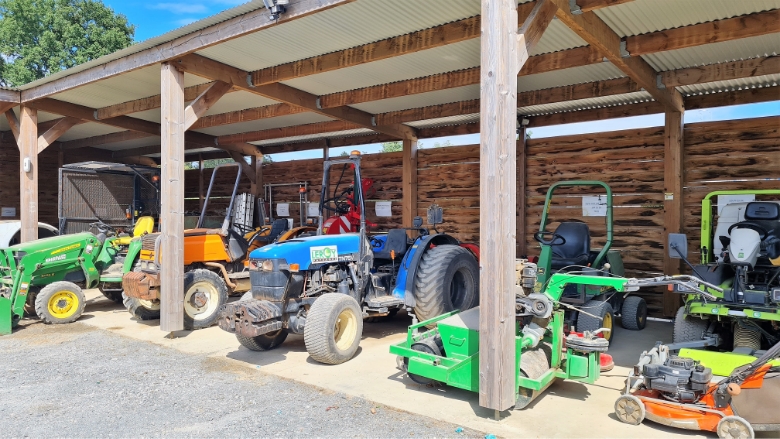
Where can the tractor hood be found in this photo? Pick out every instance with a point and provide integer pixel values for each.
(59, 244)
(311, 249)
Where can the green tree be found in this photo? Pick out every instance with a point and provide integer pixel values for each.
(392, 147)
(41, 37)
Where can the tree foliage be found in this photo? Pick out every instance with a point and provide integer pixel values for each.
(392, 147)
(41, 37)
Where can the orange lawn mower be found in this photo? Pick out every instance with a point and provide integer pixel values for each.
(679, 392)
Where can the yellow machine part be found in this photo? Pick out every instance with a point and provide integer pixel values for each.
(144, 225)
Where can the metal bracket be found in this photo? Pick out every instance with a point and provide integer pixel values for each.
(319, 105)
(249, 80)
(623, 51)
(373, 120)
(574, 7)
(659, 81)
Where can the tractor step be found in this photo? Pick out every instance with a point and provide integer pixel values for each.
(384, 302)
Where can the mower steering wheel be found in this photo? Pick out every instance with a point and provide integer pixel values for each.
(762, 232)
(243, 229)
(103, 227)
(556, 238)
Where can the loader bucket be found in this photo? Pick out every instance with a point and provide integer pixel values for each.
(5, 316)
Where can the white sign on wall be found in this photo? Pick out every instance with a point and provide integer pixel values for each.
(313, 209)
(384, 208)
(283, 209)
(8, 211)
(724, 200)
(594, 205)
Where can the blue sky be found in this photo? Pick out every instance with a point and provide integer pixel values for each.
(154, 18)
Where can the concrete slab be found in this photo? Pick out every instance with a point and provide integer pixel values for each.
(567, 409)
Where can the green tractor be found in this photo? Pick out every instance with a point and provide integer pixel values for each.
(568, 250)
(45, 277)
(449, 353)
(740, 252)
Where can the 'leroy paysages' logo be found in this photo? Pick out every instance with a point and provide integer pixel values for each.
(327, 253)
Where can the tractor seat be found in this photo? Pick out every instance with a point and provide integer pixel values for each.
(278, 227)
(143, 226)
(396, 241)
(576, 249)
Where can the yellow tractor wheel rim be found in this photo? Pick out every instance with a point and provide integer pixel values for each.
(607, 323)
(345, 329)
(63, 304)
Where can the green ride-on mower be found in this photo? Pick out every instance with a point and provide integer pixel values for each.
(741, 254)
(568, 250)
(449, 353)
(45, 277)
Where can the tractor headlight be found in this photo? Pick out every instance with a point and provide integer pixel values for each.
(268, 265)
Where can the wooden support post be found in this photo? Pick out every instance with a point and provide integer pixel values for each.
(498, 200)
(673, 197)
(28, 172)
(521, 176)
(172, 190)
(201, 192)
(409, 181)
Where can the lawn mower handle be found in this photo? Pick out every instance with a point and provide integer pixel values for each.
(691, 284)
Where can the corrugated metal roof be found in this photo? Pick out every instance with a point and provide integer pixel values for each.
(266, 124)
(88, 130)
(715, 53)
(135, 143)
(643, 16)
(446, 121)
(586, 104)
(732, 85)
(298, 139)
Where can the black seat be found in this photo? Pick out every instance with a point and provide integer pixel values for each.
(762, 211)
(576, 249)
(278, 227)
(396, 241)
(237, 245)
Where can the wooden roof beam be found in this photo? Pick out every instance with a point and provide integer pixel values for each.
(722, 72)
(591, 5)
(6, 106)
(246, 168)
(600, 36)
(150, 102)
(13, 121)
(58, 129)
(250, 114)
(202, 103)
(208, 68)
(291, 131)
(239, 26)
(745, 26)
(9, 99)
(532, 28)
(105, 139)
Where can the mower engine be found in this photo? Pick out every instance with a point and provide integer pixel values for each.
(677, 379)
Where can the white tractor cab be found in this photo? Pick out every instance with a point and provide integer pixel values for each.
(741, 254)
(11, 232)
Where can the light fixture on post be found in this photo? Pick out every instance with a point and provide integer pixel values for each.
(276, 7)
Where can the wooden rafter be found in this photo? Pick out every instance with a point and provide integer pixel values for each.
(592, 5)
(204, 101)
(150, 102)
(208, 68)
(721, 72)
(13, 121)
(58, 129)
(532, 29)
(291, 131)
(744, 26)
(244, 24)
(6, 106)
(246, 168)
(247, 115)
(104, 139)
(598, 34)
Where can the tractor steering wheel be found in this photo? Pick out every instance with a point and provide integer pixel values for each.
(762, 232)
(556, 238)
(376, 242)
(103, 228)
(340, 204)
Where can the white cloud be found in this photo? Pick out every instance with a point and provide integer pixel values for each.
(181, 8)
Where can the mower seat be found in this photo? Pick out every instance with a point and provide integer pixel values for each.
(278, 227)
(396, 241)
(237, 246)
(576, 249)
(143, 226)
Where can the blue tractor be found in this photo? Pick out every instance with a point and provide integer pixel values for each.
(324, 286)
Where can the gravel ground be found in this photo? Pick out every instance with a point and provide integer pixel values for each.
(77, 381)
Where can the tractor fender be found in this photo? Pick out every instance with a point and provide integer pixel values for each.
(406, 273)
(132, 255)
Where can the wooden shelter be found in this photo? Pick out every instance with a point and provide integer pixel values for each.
(332, 73)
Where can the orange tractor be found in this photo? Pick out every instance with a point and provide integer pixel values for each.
(214, 264)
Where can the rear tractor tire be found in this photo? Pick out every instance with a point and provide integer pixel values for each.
(334, 326)
(606, 318)
(114, 295)
(447, 280)
(264, 342)
(688, 328)
(60, 302)
(633, 314)
(205, 294)
(142, 309)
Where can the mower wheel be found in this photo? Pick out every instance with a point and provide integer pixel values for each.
(688, 328)
(60, 302)
(141, 309)
(264, 342)
(630, 410)
(334, 326)
(29, 304)
(633, 314)
(533, 364)
(735, 427)
(205, 294)
(606, 318)
(447, 279)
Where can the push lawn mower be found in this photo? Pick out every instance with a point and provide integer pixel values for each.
(677, 392)
(449, 353)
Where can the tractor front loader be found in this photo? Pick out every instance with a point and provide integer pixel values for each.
(214, 264)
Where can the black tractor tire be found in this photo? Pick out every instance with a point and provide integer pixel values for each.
(688, 328)
(141, 309)
(264, 342)
(334, 327)
(29, 304)
(114, 295)
(633, 314)
(606, 318)
(60, 302)
(211, 290)
(446, 280)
